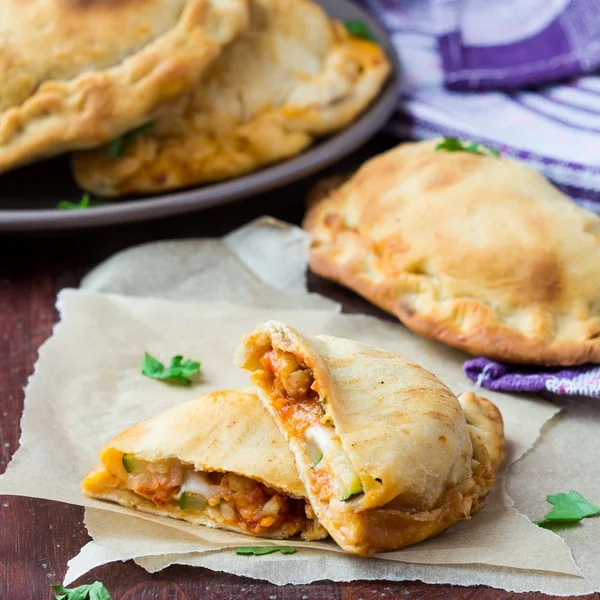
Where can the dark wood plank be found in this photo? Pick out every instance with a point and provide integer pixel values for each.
(39, 537)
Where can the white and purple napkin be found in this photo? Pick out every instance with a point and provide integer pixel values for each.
(495, 72)
(522, 76)
(571, 381)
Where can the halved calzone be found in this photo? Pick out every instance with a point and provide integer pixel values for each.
(386, 453)
(479, 252)
(219, 461)
(77, 73)
(291, 76)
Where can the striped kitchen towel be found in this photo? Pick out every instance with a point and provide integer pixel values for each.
(572, 381)
(518, 75)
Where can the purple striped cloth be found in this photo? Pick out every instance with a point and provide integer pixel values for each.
(469, 67)
(573, 381)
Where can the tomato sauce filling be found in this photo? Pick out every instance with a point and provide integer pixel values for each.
(227, 498)
(292, 394)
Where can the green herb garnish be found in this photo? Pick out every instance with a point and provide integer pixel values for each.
(117, 146)
(358, 29)
(261, 550)
(85, 202)
(451, 144)
(177, 372)
(568, 508)
(94, 591)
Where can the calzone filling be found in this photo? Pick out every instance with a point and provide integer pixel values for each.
(291, 391)
(226, 499)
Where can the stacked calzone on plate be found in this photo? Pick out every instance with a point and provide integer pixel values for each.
(76, 74)
(477, 251)
(163, 94)
(342, 438)
(291, 76)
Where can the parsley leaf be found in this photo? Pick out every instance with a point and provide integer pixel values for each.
(568, 508)
(261, 550)
(94, 591)
(117, 146)
(452, 144)
(177, 372)
(85, 202)
(358, 29)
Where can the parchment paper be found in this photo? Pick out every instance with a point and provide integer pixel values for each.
(87, 387)
(261, 264)
(566, 457)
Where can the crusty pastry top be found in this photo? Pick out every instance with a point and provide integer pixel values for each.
(76, 73)
(479, 252)
(291, 76)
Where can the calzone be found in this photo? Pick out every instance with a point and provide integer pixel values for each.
(387, 454)
(78, 73)
(293, 75)
(477, 251)
(218, 460)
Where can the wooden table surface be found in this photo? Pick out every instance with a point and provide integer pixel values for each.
(39, 537)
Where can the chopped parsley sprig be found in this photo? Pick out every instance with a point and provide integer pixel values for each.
(358, 29)
(93, 591)
(452, 144)
(568, 508)
(178, 372)
(85, 202)
(262, 550)
(117, 146)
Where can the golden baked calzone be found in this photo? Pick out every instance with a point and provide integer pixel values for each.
(218, 460)
(387, 455)
(291, 76)
(479, 252)
(78, 73)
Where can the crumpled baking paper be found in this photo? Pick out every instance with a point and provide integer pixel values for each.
(113, 332)
(261, 264)
(87, 387)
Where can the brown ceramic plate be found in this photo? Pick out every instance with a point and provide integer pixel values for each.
(29, 196)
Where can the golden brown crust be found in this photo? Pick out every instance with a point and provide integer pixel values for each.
(485, 421)
(226, 430)
(425, 458)
(387, 528)
(69, 85)
(291, 77)
(479, 253)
